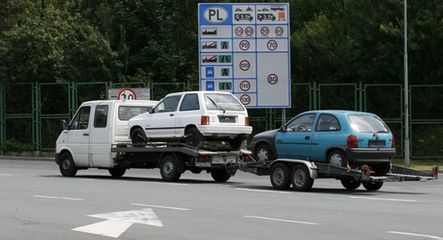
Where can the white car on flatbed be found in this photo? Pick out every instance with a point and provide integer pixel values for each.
(196, 116)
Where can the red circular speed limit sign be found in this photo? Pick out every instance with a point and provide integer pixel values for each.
(244, 45)
(272, 78)
(245, 85)
(244, 65)
(126, 94)
(272, 45)
(245, 99)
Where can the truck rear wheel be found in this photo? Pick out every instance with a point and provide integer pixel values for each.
(372, 186)
(67, 166)
(350, 183)
(117, 172)
(301, 179)
(220, 175)
(280, 176)
(170, 168)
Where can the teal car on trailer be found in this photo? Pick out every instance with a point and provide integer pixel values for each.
(344, 138)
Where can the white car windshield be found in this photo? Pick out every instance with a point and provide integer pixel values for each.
(223, 102)
(364, 123)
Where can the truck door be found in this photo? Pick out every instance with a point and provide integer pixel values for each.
(100, 145)
(78, 136)
(295, 141)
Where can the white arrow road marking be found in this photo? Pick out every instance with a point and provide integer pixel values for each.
(281, 220)
(416, 235)
(118, 222)
(55, 197)
(385, 199)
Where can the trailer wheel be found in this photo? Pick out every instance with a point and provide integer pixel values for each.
(138, 137)
(301, 180)
(280, 176)
(350, 183)
(117, 172)
(372, 186)
(170, 168)
(220, 175)
(193, 136)
(67, 166)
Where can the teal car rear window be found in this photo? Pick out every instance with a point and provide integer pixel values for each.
(365, 123)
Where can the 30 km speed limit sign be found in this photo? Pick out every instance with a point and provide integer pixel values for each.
(127, 94)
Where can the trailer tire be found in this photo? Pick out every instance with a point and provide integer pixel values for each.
(193, 136)
(350, 183)
(138, 137)
(117, 172)
(372, 186)
(67, 166)
(220, 175)
(280, 176)
(170, 168)
(301, 180)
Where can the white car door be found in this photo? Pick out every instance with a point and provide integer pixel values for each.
(161, 123)
(188, 113)
(78, 136)
(101, 130)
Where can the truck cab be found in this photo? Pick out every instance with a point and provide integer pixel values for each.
(95, 127)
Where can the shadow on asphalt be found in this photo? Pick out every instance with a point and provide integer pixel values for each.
(358, 192)
(142, 179)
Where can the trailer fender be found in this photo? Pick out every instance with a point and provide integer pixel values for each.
(312, 168)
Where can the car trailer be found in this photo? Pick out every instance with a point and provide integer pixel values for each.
(301, 174)
(175, 158)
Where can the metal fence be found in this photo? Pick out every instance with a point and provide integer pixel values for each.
(31, 113)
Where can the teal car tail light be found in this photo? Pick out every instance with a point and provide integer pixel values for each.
(352, 142)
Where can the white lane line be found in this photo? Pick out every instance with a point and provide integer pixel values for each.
(55, 197)
(385, 199)
(281, 220)
(158, 206)
(5, 174)
(258, 190)
(174, 184)
(416, 235)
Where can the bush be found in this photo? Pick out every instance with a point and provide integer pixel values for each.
(13, 145)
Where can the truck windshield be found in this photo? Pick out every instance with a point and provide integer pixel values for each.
(227, 102)
(127, 112)
(364, 123)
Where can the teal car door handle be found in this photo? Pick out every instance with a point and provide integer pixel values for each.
(307, 137)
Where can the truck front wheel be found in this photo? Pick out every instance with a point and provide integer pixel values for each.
(67, 165)
(117, 172)
(280, 176)
(170, 168)
(220, 175)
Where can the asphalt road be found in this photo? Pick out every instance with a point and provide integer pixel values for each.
(36, 202)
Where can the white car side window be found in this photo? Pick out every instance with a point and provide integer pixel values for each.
(168, 104)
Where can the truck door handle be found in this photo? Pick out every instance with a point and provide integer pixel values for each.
(171, 115)
(307, 137)
(85, 134)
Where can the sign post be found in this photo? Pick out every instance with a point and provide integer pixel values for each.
(244, 48)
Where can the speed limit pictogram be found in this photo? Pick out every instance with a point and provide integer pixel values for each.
(264, 31)
(245, 99)
(244, 65)
(249, 31)
(238, 31)
(127, 94)
(272, 45)
(244, 45)
(279, 31)
(272, 79)
(245, 85)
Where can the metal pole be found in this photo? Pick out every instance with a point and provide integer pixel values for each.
(406, 87)
(283, 116)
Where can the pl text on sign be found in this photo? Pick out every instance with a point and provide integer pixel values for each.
(244, 49)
